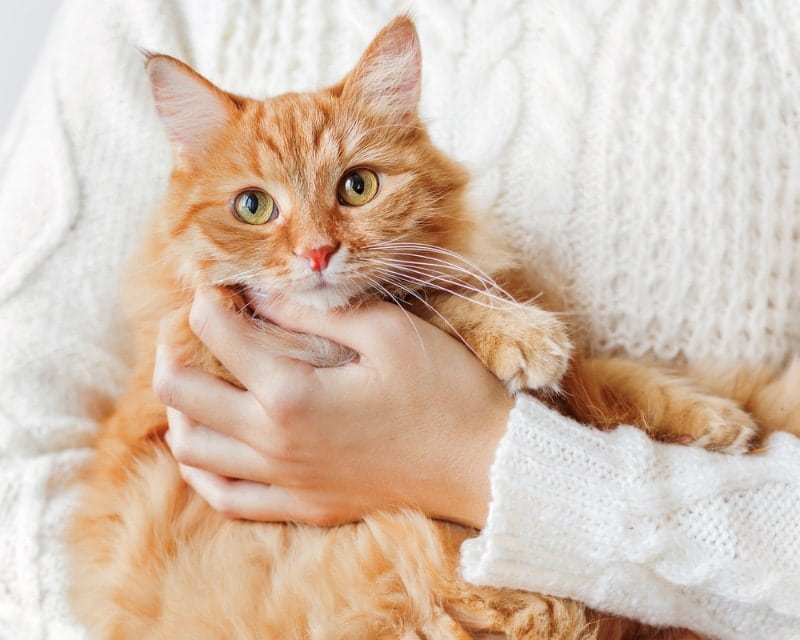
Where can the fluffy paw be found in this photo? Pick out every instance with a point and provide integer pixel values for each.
(534, 357)
(723, 426)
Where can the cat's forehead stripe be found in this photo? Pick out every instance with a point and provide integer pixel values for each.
(298, 140)
(191, 212)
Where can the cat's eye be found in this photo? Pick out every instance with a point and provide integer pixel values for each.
(255, 207)
(357, 187)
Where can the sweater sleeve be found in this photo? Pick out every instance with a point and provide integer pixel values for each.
(666, 534)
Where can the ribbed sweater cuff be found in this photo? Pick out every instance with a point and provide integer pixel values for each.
(558, 505)
(660, 533)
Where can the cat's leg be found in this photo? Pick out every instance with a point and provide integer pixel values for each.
(612, 628)
(443, 627)
(523, 345)
(528, 348)
(520, 615)
(771, 396)
(610, 391)
(777, 405)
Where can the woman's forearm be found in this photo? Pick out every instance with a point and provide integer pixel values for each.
(666, 534)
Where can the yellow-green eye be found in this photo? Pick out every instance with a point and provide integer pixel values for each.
(357, 187)
(255, 207)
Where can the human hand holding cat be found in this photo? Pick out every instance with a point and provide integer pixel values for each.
(414, 422)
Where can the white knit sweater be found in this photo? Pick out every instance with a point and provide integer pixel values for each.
(644, 157)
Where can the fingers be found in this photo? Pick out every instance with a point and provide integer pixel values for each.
(237, 343)
(288, 390)
(204, 397)
(256, 501)
(198, 446)
(280, 391)
(363, 329)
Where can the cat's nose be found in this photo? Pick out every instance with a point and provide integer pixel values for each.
(319, 257)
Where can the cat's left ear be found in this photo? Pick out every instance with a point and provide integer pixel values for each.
(387, 77)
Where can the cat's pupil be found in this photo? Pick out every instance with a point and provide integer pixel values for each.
(251, 203)
(357, 184)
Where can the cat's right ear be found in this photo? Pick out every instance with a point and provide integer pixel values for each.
(192, 110)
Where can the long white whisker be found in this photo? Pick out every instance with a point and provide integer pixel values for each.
(236, 278)
(381, 289)
(441, 267)
(429, 249)
(453, 330)
(477, 275)
(445, 283)
(407, 249)
(489, 288)
(395, 279)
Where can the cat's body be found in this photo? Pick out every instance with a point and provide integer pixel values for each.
(150, 558)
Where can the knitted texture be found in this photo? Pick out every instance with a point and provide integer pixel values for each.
(684, 233)
(643, 158)
(610, 518)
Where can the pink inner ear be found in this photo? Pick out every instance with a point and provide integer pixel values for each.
(192, 110)
(387, 77)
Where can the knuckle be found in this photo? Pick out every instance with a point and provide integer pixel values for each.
(182, 452)
(181, 449)
(286, 403)
(199, 320)
(164, 386)
(220, 500)
(229, 512)
(283, 413)
(282, 446)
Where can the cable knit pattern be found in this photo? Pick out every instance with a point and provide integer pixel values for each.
(610, 518)
(642, 157)
(691, 148)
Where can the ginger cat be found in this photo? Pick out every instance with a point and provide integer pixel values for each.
(332, 198)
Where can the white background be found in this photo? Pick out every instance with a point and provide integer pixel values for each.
(23, 27)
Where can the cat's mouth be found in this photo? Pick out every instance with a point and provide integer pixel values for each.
(318, 293)
(317, 282)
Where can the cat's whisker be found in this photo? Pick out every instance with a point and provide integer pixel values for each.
(433, 262)
(429, 253)
(233, 279)
(440, 265)
(453, 331)
(161, 260)
(448, 284)
(427, 284)
(489, 288)
(401, 285)
(421, 277)
(377, 286)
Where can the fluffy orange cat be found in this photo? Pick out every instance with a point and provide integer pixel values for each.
(332, 198)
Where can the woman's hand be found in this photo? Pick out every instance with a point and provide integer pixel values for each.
(414, 422)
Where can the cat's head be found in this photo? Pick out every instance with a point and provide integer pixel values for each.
(327, 198)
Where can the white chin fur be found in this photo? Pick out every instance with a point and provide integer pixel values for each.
(323, 299)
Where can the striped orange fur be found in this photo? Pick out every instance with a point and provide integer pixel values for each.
(149, 558)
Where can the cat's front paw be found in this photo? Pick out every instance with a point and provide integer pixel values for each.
(532, 357)
(722, 426)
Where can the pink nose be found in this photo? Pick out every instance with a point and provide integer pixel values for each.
(319, 257)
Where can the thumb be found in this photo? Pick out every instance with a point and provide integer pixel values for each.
(364, 329)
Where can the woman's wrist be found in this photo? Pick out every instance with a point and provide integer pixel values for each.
(468, 502)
